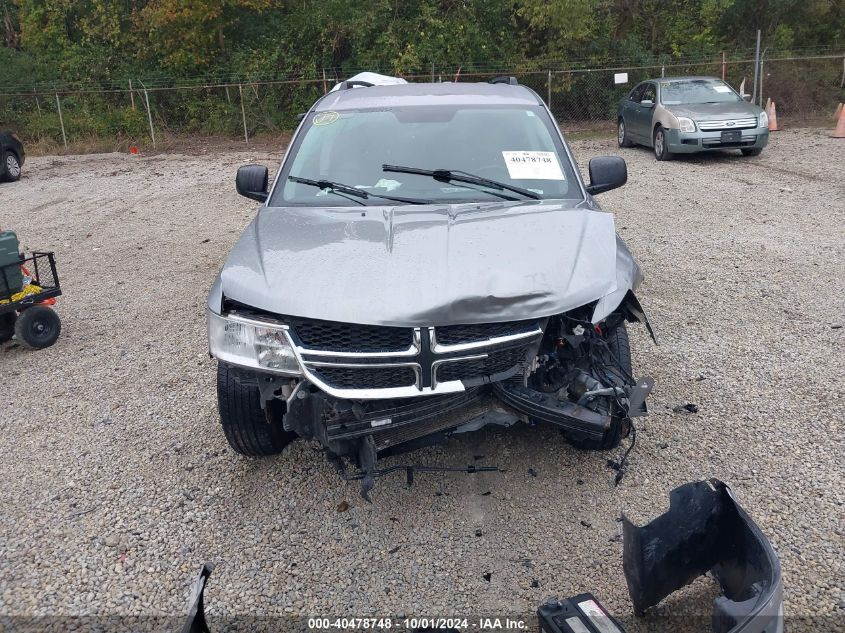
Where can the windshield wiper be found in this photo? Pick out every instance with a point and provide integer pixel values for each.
(339, 188)
(454, 175)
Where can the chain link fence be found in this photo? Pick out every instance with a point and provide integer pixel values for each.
(155, 113)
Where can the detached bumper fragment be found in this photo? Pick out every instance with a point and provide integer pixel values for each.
(195, 618)
(704, 530)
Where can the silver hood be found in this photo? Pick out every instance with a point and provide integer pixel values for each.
(426, 265)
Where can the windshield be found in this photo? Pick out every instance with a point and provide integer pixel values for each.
(514, 146)
(691, 91)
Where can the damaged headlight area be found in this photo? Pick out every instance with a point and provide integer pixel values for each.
(250, 343)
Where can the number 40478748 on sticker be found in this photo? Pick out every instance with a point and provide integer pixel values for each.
(531, 165)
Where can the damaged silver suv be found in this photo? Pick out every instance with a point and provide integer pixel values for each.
(427, 261)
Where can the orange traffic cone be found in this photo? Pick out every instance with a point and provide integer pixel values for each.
(839, 131)
(773, 117)
(837, 113)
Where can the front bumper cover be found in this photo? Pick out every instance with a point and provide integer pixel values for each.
(690, 142)
(704, 530)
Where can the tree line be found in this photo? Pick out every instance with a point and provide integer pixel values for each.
(103, 40)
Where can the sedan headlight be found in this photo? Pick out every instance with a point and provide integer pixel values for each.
(764, 119)
(686, 125)
(248, 343)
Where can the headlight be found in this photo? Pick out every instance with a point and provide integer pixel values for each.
(764, 119)
(686, 125)
(248, 343)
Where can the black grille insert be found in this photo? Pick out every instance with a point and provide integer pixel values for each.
(366, 377)
(457, 334)
(496, 362)
(351, 337)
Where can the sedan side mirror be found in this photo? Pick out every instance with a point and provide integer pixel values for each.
(648, 103)
(746, 97)
(251, 182)
(606, 173)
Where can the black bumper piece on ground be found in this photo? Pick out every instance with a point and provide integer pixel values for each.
(704, 530)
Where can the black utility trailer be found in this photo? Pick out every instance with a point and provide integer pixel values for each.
(28, 288)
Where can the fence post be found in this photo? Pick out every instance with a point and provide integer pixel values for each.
(549, 85)
(37, 103)
(662, 70)
(723, 65)
(131, 94)
(325, 87)
(149, 114)
(243, 113)
(61, 120)
(756, 67)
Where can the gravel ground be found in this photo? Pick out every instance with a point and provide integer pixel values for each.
(118, 482)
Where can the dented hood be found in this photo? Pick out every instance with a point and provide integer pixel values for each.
(424, 265)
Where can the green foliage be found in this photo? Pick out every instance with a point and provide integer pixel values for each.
(77, 43)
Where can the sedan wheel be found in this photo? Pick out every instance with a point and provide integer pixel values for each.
(12, 166)
(661, 150)
(622, 134)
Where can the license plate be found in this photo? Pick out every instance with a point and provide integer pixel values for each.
(731, 136)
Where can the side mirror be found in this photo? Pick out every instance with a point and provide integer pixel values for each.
(606, 173)
(251, 182)
(746, 97)
(648, 103)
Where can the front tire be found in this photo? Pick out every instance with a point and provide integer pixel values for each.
(661, 148)
(751, 151)
(249, 429)
(622, 134)
(11, 167)
(38, 327)
(619, 358)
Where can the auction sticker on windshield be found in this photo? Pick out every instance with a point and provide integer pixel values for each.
(529, 165)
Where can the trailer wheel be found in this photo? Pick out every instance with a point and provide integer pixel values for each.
(250, 430)
(7, 326)
(38, 327)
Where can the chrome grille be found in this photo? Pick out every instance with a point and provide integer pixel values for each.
(727, 124)
(367, 362)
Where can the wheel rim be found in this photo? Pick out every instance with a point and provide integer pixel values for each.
(40, 331)
(621, 132)
(658, 143)
(12, 166)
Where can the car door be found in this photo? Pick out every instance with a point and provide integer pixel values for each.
(630, 111)
(645, 112)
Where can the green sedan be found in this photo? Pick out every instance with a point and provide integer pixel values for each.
(684, 115)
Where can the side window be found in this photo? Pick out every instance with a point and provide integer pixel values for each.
(650, 93)
(637, 93)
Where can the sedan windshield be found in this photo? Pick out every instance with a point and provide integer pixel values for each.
(477, 153)
(689, 91)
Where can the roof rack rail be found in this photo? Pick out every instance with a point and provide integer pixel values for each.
(351, 83)
(511, 81)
